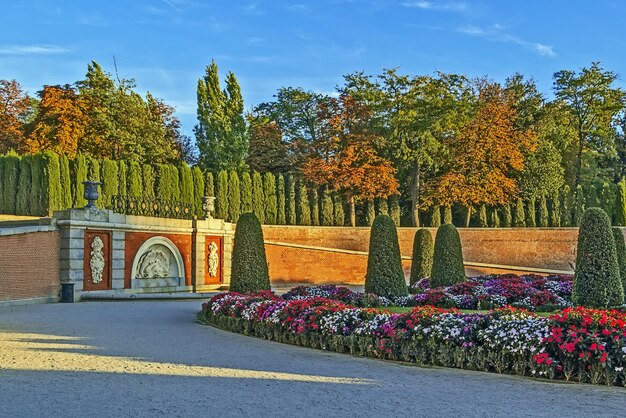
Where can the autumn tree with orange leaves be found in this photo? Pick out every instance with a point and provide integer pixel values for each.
(14, 108)
(485, 155)
(344, 157)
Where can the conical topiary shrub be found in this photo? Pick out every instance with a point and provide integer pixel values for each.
(620, 248)
(249, 264)
(448, 258)
(597, 281)
(422, 260)
(384, 267)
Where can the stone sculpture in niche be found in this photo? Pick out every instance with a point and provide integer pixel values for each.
(154, 264)
(96, 263)
(214, 259)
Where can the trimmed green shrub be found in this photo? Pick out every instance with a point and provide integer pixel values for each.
(531, 213)
(164, 184)
(566, 206)
(519, 215)
(186, 183)
(249, 271)
(303, 212)
(110, 181)
(198, 191)
(246, 192)
(164, 190)
(597, 280)
(370, 213)
(22, 205)
(620, 204)
(506, 217)
(281, 218)
(339, 212)
(544, 220)
(494, 218)
(328, 212)
(482, 216)
(435, 216)
(79, 174)
(1, 183)
(620, 249)
(38, 186)
(385, 276)
(11, 177)
(258, 197)
(290, 205)
(176, 192)
(555, 209)
(135, 183)
(66, 183)
(52, 176)
(579, 206)
(234, 196)
(448, 266)
(269, 190)
(394, 209)
(422, 260)
(209, 184)
(221, 194)
(314, 205)
(149, 180)
(382, 208)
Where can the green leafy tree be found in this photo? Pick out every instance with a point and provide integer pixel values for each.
(314, 205)
(394, 209)
(109, 180)
(519, 216)
(281, 217)
(422, 260)
(269, 190)
(221, 129)
(66, 182)
(249, 262)
(544, 219)
(385, 276)
(340, 215)
(267, 151)
(79, 174)
(597, 280)
(234, 196)
(149, 180)
(328, 212)
(258, 197)
(448, 266)
(221, 194)
(303, 211)
(246, 193)
(290, 208)
(135, 181)
(198, 191)
(22, 204)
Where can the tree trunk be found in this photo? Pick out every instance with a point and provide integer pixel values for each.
(351, 210)
(468, 216)
(415, 193)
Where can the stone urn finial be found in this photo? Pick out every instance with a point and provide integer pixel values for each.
(208, 206)
(91, 193)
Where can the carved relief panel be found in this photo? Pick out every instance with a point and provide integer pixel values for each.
(213, 260)
(97, 260)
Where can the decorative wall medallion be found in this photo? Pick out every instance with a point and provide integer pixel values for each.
(96, 263)
(153, 264)
(214, 259)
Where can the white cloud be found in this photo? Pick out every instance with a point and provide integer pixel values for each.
(32, 50)
(497, 33)
(452, 6)
(546, 50)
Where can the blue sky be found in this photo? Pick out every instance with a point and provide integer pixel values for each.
(166, 44)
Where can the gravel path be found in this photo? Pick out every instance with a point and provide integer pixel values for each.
(152, 359)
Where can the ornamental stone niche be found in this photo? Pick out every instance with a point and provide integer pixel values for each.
(158, 264)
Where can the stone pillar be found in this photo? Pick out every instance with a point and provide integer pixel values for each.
(118, 262)
(71, 258)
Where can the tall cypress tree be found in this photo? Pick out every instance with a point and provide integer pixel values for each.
(555, 209)
(607, 200)
(494, 218)
(186, 183)
(519, 216)
(543, 212)
(164, 182)
(506, 220)
(340, 214)
(221, 194)
(269, 189)
(370, 214)
(303, 212)
(482, 216)
(246, 193)
(591, 197)
(1, 183)
(281, 217)
(176, 190)
(382, 208)
(234, 196)
(53, 181)
(314, 205)
(328, 212)
(38, 188)
(221, 129)
(209, 184)
(11, 177)
(135, 183)
(579, 205)
(258, 197)
(162, 174)
(149, 180)
(79, 174)
(66, 182)
(22, 206)
(566, 206)
(290, 207)
(531, 213)
(110, 181)
(447, 215)
(620, 204)
(198, 191)
(435, 216)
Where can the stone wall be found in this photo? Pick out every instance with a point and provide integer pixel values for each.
(530, 248)
(29, 265)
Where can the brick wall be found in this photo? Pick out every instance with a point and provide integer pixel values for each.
(29, 265)
(545, 248)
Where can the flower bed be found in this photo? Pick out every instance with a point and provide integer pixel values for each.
(578, 344)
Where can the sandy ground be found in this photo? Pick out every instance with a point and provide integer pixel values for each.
(152, 359)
